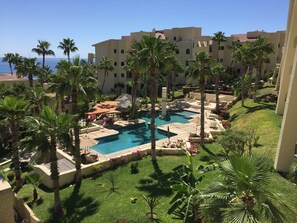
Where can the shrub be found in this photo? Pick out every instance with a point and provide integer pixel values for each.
(225, 115)
(10, 176)
(226, 124)
(233, 141)
(134, 168)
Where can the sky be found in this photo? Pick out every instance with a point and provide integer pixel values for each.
(24, 22)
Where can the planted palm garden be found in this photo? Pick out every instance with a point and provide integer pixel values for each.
(206, 187)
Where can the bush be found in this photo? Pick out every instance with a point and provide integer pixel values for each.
(10, 176)
(225, 115)
(134, 168)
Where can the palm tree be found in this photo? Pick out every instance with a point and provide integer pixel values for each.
(105, 65)
(14, 110)
(17, 59)
(37, 98)
(243, 194)
(8, 57)
(68, 45)
(219, 37)
(43, 49)
(28, 67)
(45, 133)
(217, 72)
(77, 78)
(262, 49)
(243, 55)
(176, 69)
(155, 56)
(199, 69)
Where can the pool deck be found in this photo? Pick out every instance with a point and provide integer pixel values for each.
(182, 130)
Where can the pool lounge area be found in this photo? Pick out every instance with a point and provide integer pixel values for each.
(139, 134)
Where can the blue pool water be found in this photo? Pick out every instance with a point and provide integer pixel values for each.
(136, 135)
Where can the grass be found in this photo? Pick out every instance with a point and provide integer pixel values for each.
(94, 201)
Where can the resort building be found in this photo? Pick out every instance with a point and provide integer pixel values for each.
(287, 98)
(189, 41)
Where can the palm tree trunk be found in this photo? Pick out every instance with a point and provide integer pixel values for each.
(68, 55)
(242, 86)
(62, 104)
(58, 210)
(173, 85)
(202, 135)
(154, 79)
(78, 176)
(16, 159)
(258, 75)
(105, 74)
(10, 68)
(31, 80)
(250, 70)
(217, 95)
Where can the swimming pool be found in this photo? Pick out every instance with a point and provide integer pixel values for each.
(136, 135)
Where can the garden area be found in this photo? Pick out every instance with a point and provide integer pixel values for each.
(117, 195)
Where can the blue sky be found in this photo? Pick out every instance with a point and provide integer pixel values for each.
(23, 22)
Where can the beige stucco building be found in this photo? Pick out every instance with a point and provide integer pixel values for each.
(188, 40)
(287, 99)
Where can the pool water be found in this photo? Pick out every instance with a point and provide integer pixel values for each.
(136, 135)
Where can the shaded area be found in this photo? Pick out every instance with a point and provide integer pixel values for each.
(76, 207)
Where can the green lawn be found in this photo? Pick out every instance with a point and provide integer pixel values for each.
(93, 201)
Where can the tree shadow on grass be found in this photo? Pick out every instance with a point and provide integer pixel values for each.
(157, 183)
(261, 106)
(76, 207)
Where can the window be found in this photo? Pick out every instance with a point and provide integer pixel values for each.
(115, 63)
(129, 75)
(278, 45)
(114, 50)
(115, 86)
(122, 63)
(174, 38)
(122, 75)
(115, 74)
(222, 48)
(142, 86)
(187, 63)
(221, 60)
(177, 51)
(122, 51)
(238, 71)
(210, 48)
(187, 51)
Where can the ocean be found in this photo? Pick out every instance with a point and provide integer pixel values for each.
(52, 62)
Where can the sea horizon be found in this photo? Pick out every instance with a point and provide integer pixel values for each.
(51, 62)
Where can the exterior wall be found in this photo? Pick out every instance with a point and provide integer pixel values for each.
(6, 204)
(185, 38)
(288, 96)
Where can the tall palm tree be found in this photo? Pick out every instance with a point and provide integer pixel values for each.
(37, 98)
(177, 69)
(28, 67)
(262, 49)
(14, 110)
(242, 194)
(17, 59)
(219, 37)
(217, 72)
(8, 57)
(45, 133)
(199, 69)
(68, 45)
(242, 55)
(105, 65)
(77, 77)
(42, 49)
(155, 56)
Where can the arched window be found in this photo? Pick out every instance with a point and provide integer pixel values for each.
(187, 51)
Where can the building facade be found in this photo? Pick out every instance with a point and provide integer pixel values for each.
(287, 98)
(189, 41)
